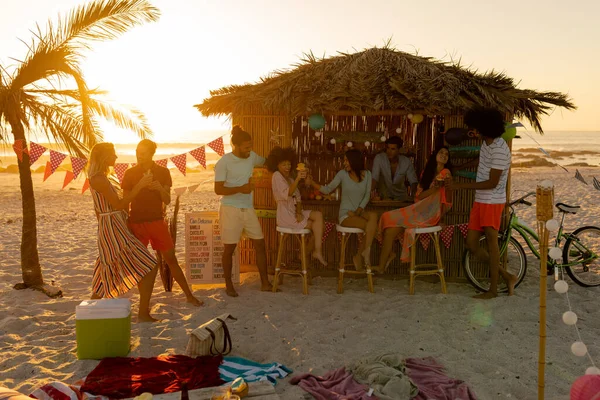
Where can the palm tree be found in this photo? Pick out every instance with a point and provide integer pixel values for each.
(47, 91)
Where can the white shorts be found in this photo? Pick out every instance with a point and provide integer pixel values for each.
(236, 222)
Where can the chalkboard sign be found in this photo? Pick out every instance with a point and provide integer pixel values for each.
(203, 250)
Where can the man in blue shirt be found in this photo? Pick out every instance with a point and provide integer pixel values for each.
(390, 172)
(236, 214)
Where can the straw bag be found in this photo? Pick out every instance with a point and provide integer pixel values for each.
(211, 338)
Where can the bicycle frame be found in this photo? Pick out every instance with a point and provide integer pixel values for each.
(529, 235)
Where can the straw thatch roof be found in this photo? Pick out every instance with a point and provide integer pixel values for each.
(382, 79)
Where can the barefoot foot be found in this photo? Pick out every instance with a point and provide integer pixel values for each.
(486, 296)
(146, 318)
(267, 287)
(366, 255)
(231, 292)
(319, 257)
(194, 301)
(358, 262)
(512, 282)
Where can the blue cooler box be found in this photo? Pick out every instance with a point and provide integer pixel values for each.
(103, 328)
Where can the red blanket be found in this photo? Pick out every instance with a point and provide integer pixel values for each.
(123, 377)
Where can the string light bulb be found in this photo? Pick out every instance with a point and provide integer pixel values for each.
(561, 287)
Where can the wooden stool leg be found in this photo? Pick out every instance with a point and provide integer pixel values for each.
(413, 258)
(370, 279)
(440, 264)
(304, 270)
(340, 288)
(278, 263)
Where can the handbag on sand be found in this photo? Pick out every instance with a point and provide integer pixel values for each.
(211, 338)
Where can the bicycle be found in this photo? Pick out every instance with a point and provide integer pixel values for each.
(580, 255)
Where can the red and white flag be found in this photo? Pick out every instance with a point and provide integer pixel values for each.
(35, 152)
(162, 163)
(446, 235)
(464, 229)
(329, 226)
(56, 159)
(77, 164)
(217, 146)
(180, 162)
(120, 171)
(425, 239)
(200, 155)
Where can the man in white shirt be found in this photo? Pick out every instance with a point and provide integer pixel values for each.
(490, 194)
(237, 215)
(390, 172)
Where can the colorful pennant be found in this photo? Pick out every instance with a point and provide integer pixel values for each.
(35, 152)
(77, 165)
(217, 146)
(162, 163)
(179, 191)
(180, 162)
(69, 176)
(86, 186)
(56, 159)
(19, 147)
(329, 226)
(47, 171)
(200, 155)
(446, 235)
(193, 188)
(120, 171)
(425, 239)
(464, 229)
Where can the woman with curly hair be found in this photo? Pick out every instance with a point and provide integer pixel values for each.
(285, 181)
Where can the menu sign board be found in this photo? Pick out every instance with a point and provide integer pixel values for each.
(204, 250)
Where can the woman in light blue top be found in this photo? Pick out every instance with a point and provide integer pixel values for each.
(356, 192)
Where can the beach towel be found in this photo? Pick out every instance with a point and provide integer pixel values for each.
(386, 375)
(62, 391)
(430, 378)
(586, 388)
(422, 214)
(334, 385)
(124, 377)
(234, 367)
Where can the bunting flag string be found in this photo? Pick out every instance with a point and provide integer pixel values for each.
(47, 170)
(35, 152)
(180, 190)
(120, 169)
(56, 159)
(329, 226)
(77, 165)
(464, 229)
(446, 235)
(217, 146)
(425, 240)
(193, 188)
(200, 155)
(86, 186)
(162, 163)
(20, 148)
(180, 162)
(69, 176)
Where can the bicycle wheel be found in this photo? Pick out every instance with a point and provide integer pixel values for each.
(478, 272)
(584, 247)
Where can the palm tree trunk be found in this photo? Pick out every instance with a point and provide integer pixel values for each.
(30, 261)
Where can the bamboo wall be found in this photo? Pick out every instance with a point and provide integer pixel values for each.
(324, 160)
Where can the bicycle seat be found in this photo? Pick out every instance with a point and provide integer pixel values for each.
(567, 208)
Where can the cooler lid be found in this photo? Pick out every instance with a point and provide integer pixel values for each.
(103, 309)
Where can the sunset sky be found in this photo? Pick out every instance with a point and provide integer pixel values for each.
(164, 68)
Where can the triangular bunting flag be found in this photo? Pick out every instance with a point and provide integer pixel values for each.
(56, 159)
(193, 188)
(579, 177)
(329, 226)
(200, 155)
(68, 178)
(425, 239)
(77, 164)
(20, 148)
(180, 162)
(47, 171)
(86, 186)
(446, 235)
(35, 152)
(120, 171)
(162, 163)
(133, 165)
(464, 229)
(217, 146)
(596, 183)
(179, 191)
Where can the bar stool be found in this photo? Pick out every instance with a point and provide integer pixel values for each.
(439, 270)
(304, 272)
(346, 234)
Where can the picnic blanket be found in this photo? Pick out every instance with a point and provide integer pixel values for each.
(251, 371)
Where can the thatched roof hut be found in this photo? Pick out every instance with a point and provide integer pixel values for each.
(377, 80)
(366, 97)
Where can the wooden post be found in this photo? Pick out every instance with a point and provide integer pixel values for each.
(544, 213)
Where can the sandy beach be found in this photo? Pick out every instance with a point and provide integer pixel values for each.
(491, 345)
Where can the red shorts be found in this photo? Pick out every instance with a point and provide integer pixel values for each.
(484, 215)
(155, 233)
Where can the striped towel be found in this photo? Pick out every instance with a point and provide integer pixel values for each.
(234, 367)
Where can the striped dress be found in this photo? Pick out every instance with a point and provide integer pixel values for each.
(123, 260)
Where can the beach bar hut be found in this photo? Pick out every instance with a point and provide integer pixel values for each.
(364, 98)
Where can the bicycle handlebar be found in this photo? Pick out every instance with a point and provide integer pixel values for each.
(522, 200)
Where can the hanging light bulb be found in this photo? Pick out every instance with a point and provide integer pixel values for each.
(555, 253)
(592, 371)
(561, 287)
(349, 144)
(332, 141)
(552, 225)
(367, 143)
(579, 349)
(382, 138)
(569, 318)
(398, 130)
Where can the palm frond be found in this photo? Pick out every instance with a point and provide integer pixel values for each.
(127, 118)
